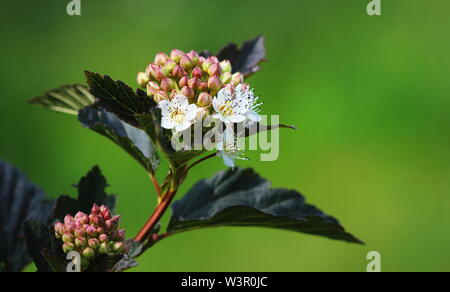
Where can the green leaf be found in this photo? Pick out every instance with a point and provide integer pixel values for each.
(131, 139)
(243, 198)
(118, 98)
(91, 190)
(19, 200)
(67, 99)
(247, 58)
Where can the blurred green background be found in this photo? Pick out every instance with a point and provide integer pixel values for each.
(370, 96)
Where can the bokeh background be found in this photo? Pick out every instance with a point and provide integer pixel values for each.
(370, 96)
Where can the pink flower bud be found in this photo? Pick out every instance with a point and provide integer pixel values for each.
(151, 71)
(214, 83)
(104, 248)
(95, 210)
(186, 63)
(152, 87)
(81, 242)
(225, 66)
(195, 57)
(68, 247)
(84, 220)
(93, 219)
(237, 79)
(176, 55)
(188, 92)
(194, 83)
(118, 235)
(79, 232)
(173, 94)
(168, 84)
(67, 237)
(183, 81)
(214, 70)
(91, 231)
(178, 72)
(88, 252)
(226, 77)
(160, 96)
(159, 74)
(197, 72)
(170, 65)
(161, 59)
(106, 215)
(118, 247)
(214, 60)
(70, 227)
(60, 228)
(142, 79)
(206, 64)
(203, 86)
(204, 99)
(103, 238)
(94, 243)
(68, 219)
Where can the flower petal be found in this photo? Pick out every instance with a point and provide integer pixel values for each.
(224, 95)
(216, 104)
(165, 106)
(237, 119)
(167, 123)
(254, 116)
(191, 112)
(183, 126)
(180, 102)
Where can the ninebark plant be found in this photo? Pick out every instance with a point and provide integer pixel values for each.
(177, 90)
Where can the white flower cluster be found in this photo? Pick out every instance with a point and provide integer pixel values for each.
(230, 106)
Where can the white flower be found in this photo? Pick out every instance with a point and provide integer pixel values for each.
(229, 148)
(236, 106)
(177, 114)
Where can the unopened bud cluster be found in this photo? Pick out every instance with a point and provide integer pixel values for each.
(92, 235)
(187, 74)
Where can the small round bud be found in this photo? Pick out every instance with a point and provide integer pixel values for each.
(176, 55)
(95, 210)
(214, 70)
(226, 77)
(178, 72)
(79, 232)
(203, 86)
(68, 247)
(88, 252)
(206, 64)
(188, 92)
(151, 71)
(60, 228)
(84, 219)
(94, 219)
(68, 238)
(170, 65)
(118, 247)
(194, 83)
(68, 219)
(225, 66)
(159, 74)
(195, 57)
(91, 231)
(183, 81)
(197, 72)
(237, 79)
(159, 96)
(168, 84)
(103, 238)
(214, 83)
(104, 248)
(81, 242)
(186, 63)
(204, 99)
(161, 59)
(94, 243)
(142, 79)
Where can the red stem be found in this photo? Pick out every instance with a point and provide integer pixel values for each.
(156, 216)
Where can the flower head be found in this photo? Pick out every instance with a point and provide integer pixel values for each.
(177, 114)
(86, 234)
(236, 105)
